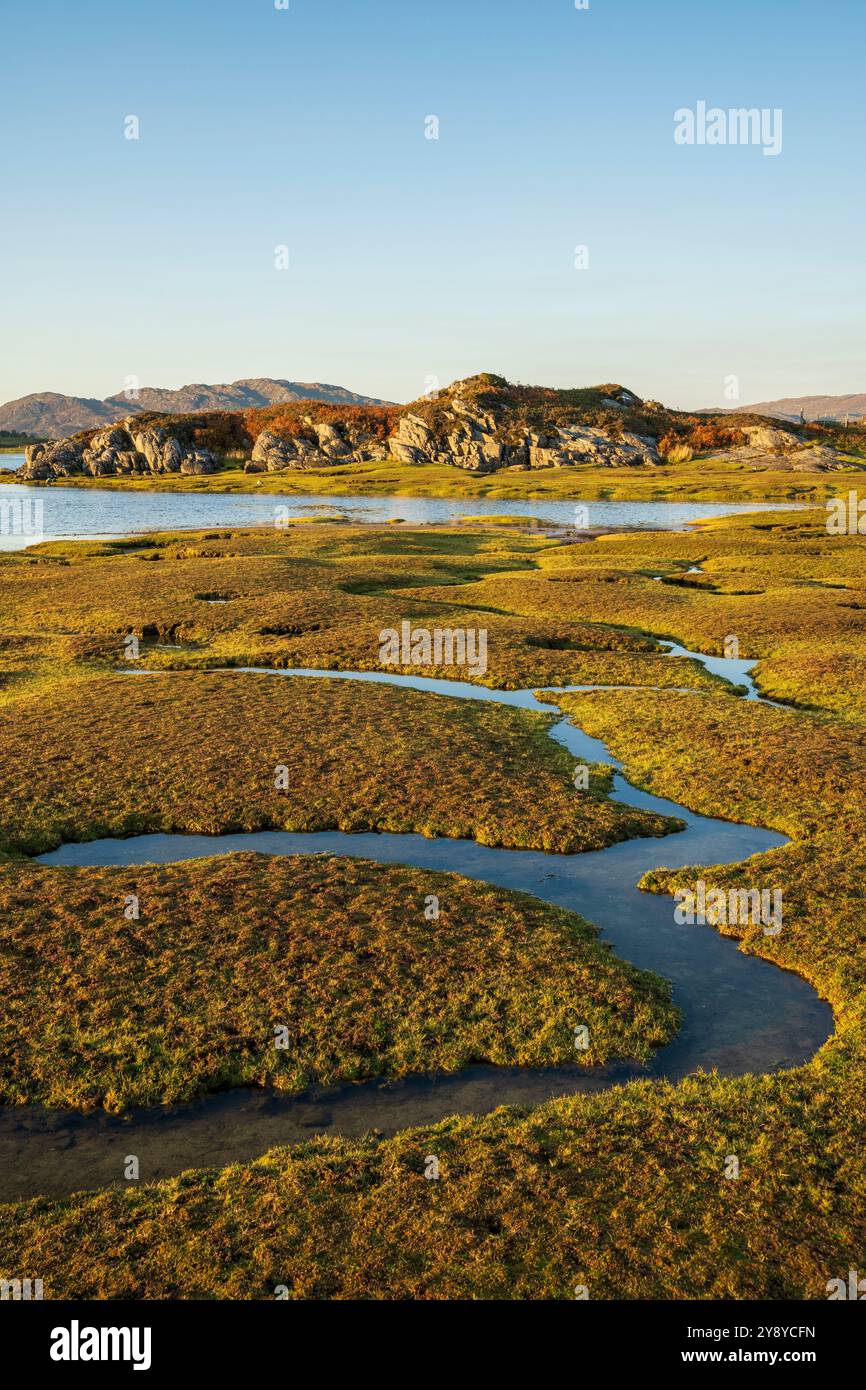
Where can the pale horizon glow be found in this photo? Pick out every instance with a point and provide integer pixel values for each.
(413, 259)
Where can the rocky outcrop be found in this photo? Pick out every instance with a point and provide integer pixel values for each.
(482, 425)
(272, 453)
(464, 436)
(768, 439)
(320, 444)
(783, 450)
(576, 444)
(118, 450)
(819, 458)
(472, 438)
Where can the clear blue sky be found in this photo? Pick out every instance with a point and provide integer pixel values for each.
(411, 257)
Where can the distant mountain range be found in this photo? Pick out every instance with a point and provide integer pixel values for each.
(812, 407)
(54, 416)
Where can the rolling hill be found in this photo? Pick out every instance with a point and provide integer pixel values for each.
(52, 415)
(812, 407)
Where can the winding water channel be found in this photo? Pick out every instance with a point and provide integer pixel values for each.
(740, 1013)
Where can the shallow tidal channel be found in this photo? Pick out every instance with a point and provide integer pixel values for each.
(740, 1013)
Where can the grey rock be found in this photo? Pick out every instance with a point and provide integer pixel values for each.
(197, 461)
(273, 452)
(113, 452)
(62, 459)
(331, 441)
(412, 441)
(768, 440)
